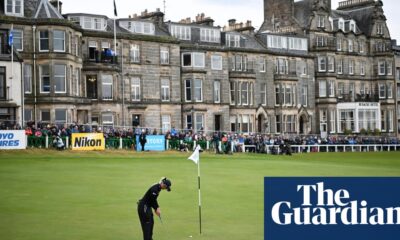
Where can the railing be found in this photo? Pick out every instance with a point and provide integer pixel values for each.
(101, 57)
(226, 147)
(358, 98)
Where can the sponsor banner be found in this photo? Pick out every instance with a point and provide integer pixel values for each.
(88, 141)
(332, 208)
(154, 143)
(12, 139)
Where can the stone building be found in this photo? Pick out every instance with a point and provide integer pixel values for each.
(308, 69)
(396, 50)
(351, 46)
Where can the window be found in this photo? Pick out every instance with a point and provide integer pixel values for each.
(390, 118)
(339, 44)
(93, 55)
(244, 93)
(352, 92)
(321, 21)
(107, 87)
(107, 119)
(346, 121)
(351, 67)
(28, 115)
(383, 120)
(352, 27)
(14, 8)
(165, 123)
(45, 79)
(3, 83)
(362, 68)
(28, 78)
(180, 32)
(290, 123)
(232, 92)
(217, 91)
(216, 62)
(389, 68)
(398, 74)
(321, 64)
(390, 90)
(43, 41)
(382, 68)
(193, 60)
(321, 41)
(331, 88)
(340, 89)
(282, 66)
(332, 121)
(18, 39)
(362, 47)
(210, 35)
(322, 88)
(341, 25)
(262, 65)
(340, 67)
(232, 40)
(278, 98)
(139, 27)
(60, 117)
(199, 121)
(298, 44)
(263, 93)
(198, 90)
(288, 94)
(278, 123)
(45, 116)
(188, 90)
(362, 89)
(331, 64)
(60, 78)
(59, 41)
(165, 90)
(135, 89)
(279, 42)
(189, 121)
(304, 95)
(135, 53)
(350, 45)
(382, 90)
(379, 29)
(91, 86)
(94, 23)
(164, 55)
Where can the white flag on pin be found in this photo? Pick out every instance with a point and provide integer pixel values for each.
(195, 157)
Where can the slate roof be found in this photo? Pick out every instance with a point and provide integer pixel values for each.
(40, 9)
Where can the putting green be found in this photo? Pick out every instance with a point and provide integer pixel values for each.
(48, 195)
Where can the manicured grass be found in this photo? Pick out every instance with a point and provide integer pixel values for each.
(50, 195)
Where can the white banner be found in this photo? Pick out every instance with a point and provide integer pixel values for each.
(12, 139)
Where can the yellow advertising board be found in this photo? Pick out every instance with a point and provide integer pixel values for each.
(88, 141)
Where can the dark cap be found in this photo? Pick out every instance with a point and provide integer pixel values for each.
(167, 182)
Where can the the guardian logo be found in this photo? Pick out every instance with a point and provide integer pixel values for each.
(332, 208)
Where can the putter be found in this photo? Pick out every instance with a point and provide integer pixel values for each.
(160, 219)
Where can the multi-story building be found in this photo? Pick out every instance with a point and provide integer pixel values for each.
(351, 46)
(308, 69)
(396, 50)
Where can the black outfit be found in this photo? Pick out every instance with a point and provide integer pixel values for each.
(142, 140)
(145, 205)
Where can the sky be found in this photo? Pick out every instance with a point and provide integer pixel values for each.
(219, 10)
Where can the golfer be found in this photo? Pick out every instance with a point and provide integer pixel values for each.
(148, 202)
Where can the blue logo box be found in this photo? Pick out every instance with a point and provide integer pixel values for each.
(332, 208)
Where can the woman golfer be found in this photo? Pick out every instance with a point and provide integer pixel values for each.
(148, 202)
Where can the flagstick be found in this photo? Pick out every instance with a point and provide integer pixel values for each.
(198, 178)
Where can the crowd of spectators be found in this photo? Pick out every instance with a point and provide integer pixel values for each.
(222, 142)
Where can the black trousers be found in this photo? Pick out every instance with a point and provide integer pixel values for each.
(146, 220)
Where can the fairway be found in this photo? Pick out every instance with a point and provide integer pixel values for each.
(51, 195)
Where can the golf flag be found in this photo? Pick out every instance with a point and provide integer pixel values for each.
(10, 39)
(115, 9)
(195, 157)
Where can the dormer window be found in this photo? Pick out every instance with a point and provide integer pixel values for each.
(14, 8)
(341, 25)
(210, 35)
(321, 21)
(180, 32)
(138, 27)
(379, 29)
(232, 40)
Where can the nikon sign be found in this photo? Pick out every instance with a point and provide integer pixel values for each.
(88, 141)
(332, 208)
